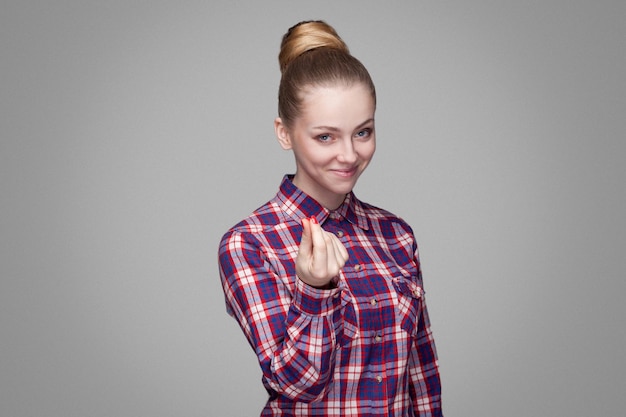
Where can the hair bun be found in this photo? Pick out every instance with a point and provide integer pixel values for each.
(306, 36)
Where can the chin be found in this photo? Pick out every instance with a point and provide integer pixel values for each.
(344, 189)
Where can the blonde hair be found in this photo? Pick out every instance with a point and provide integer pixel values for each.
(313, 54)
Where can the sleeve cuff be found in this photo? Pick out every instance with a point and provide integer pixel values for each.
(315, 301)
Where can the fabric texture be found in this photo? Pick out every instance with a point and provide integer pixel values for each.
(363, 348)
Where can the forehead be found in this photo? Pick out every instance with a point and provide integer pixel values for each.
(337, 105)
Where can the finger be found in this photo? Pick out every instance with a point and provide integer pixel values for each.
(339, 253)
(340, 250)
(305, 240)
(322, 252)
(334, 261)
(332, 265)
(319, 242)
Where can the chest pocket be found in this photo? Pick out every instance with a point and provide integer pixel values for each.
(409, 303)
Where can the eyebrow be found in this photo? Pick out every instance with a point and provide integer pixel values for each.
(336, 129)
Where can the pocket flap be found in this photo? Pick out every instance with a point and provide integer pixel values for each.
(408, 287)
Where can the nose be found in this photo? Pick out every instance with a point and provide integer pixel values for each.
(348, 153)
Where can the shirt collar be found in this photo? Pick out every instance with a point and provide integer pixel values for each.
(296, 204)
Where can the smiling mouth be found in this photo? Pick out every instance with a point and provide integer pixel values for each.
(345, 173)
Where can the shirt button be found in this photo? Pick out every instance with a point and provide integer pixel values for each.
(379, 379)
(340, 234)
(357, 268)
(378, 338)
(373, 301)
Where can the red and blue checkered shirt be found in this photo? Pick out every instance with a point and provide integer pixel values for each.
(364, 348)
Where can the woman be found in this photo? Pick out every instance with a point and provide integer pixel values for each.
(328, 289)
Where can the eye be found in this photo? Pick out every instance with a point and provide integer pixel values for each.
(323, 138)
(364, 133)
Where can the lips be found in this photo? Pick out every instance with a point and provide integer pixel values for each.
(345, 173)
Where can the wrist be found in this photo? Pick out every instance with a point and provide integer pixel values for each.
(331, 284)
(315, 301)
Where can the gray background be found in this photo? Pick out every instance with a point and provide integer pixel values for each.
(133, 134)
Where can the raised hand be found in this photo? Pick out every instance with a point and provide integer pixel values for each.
(320, 256)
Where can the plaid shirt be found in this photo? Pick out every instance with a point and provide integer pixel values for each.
(363, 348)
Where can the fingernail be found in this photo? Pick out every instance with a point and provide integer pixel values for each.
(314, 220)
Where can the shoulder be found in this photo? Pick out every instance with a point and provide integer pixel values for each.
(255, 229)
(384, 218)
(395, 235)
(390, 230)
(264, 217)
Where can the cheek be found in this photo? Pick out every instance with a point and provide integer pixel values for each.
(368, 149)
(311, 155)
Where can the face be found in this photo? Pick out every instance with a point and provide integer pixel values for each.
(333, 141)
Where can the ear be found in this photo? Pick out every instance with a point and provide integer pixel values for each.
(282, 134)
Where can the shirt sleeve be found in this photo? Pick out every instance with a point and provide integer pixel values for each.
(423, 366)
(293, 329)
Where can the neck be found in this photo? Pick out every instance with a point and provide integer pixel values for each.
(328, 200)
